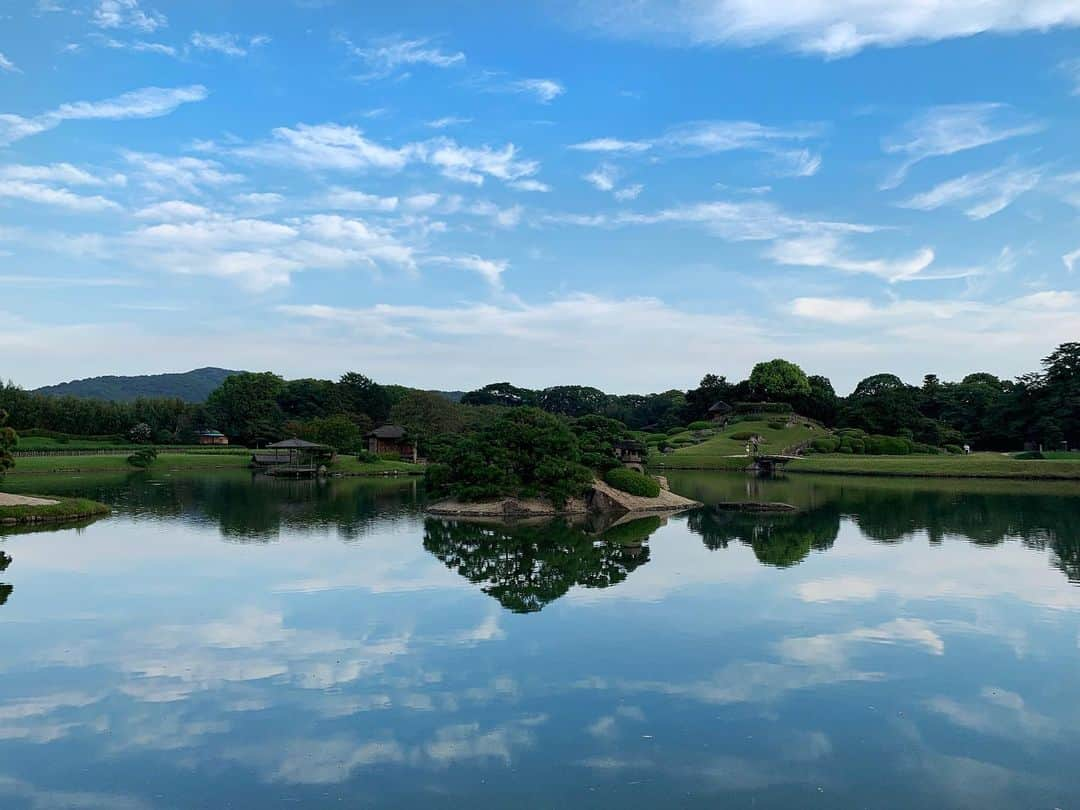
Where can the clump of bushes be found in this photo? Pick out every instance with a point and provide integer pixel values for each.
(954, 449)
(632, 482)
(142, 458)
(825, 444)
(743, 435)
(1029, 455)
(367, 457)
(700, 425)
(777, 425)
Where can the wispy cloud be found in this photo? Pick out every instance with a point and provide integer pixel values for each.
(138, 46)
(226, 43)
(326, 146)
(544, 90)
(162, 174)
(616, 145)
(127, 14)
(491, 270)
(1071, 69)
(148, 102)
(949, 129)
(834, 29)
(603, 177)
(448, 121)
(59, 173)
(7, 66)
(54, 196)
(981, 194)
(828, 251)
(385, 57)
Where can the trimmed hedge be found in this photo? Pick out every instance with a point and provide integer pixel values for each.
(632, 482)
(700, 425)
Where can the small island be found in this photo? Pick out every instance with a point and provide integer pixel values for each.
(531, 464)
(25, 509)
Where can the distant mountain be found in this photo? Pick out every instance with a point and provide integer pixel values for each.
(190, 386)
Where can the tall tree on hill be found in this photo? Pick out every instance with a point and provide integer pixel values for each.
(713, 388)
(572, 400)
(821, 403)
(779, 381)
(245, 407)
(362, 395)
(500, 393)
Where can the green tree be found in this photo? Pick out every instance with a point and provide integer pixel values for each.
(779, 380)
(338, 431)
(500, 393)
(426, 415)
(245, 407)
(821, 403)
(362, 395)
(308, 399)
(8, 440)
(572, 400)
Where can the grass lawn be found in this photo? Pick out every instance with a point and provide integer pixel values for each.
(46, 443)
(170, 461)
(65, 509)
(348, 465)
(976, 465)
(722, 452)
(103, 463)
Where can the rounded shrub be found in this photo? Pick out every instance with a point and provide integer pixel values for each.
(846, 450)
(954, 449)
(826, 444)
(1029, 455)
(777, 425)
(743, 435)
(632, 482)
(699, 425)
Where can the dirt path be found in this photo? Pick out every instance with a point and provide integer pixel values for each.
(23, 500)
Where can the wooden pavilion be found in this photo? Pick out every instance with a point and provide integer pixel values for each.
(295, 457)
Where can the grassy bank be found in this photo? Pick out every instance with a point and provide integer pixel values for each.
(65, 509)
(724, 452)
(976, 465)
(175, 462)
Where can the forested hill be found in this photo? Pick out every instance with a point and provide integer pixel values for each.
(190, 386)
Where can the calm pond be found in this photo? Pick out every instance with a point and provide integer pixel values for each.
(228, 642)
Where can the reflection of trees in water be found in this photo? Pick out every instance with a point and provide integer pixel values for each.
(1040, 521)
(5, 589)
(780, 539)
(527, 567)
(248, 508)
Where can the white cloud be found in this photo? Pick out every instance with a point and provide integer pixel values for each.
(226, 43)
(828, 250)
(385, 57)
(529, 185)
(127, 14)
(138, 46)
(472, 164)
(631, 192)
(544, 90)
(1071, 69)
(261, 254)
(983, 194)
(174, 210)
(326, 146)
(49, 195)
(162, 174)
(448, 121)
(350, 199)
(611, 145)
(148, 102)
(949, 129)
(59, 173)
(1070, 259)
(7, 66)
(490, 270)
(603, 177)
(832, 29)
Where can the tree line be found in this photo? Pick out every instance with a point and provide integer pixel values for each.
(983, 410)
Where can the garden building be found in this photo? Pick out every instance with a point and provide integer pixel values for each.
(211, 437)
(391, 440)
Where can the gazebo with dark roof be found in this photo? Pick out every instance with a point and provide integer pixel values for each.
(719, 410)
(293, 457)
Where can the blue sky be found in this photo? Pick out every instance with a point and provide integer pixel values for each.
(627, 194)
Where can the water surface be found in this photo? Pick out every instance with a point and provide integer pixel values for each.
(229, 641)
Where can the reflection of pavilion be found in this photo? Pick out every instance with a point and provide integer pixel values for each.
(293, 457)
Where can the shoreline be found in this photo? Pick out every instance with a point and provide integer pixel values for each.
(50, 510)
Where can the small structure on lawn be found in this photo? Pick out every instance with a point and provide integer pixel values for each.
(719, 411)
(295, 457)
(211, 437)
(631, 453)
(391, 440)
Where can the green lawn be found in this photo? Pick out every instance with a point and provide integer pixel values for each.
(722, 452)
(348, 465)
(105, 463)
(46, 443)
(976, 465)
(65, 509)
(169, 461)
